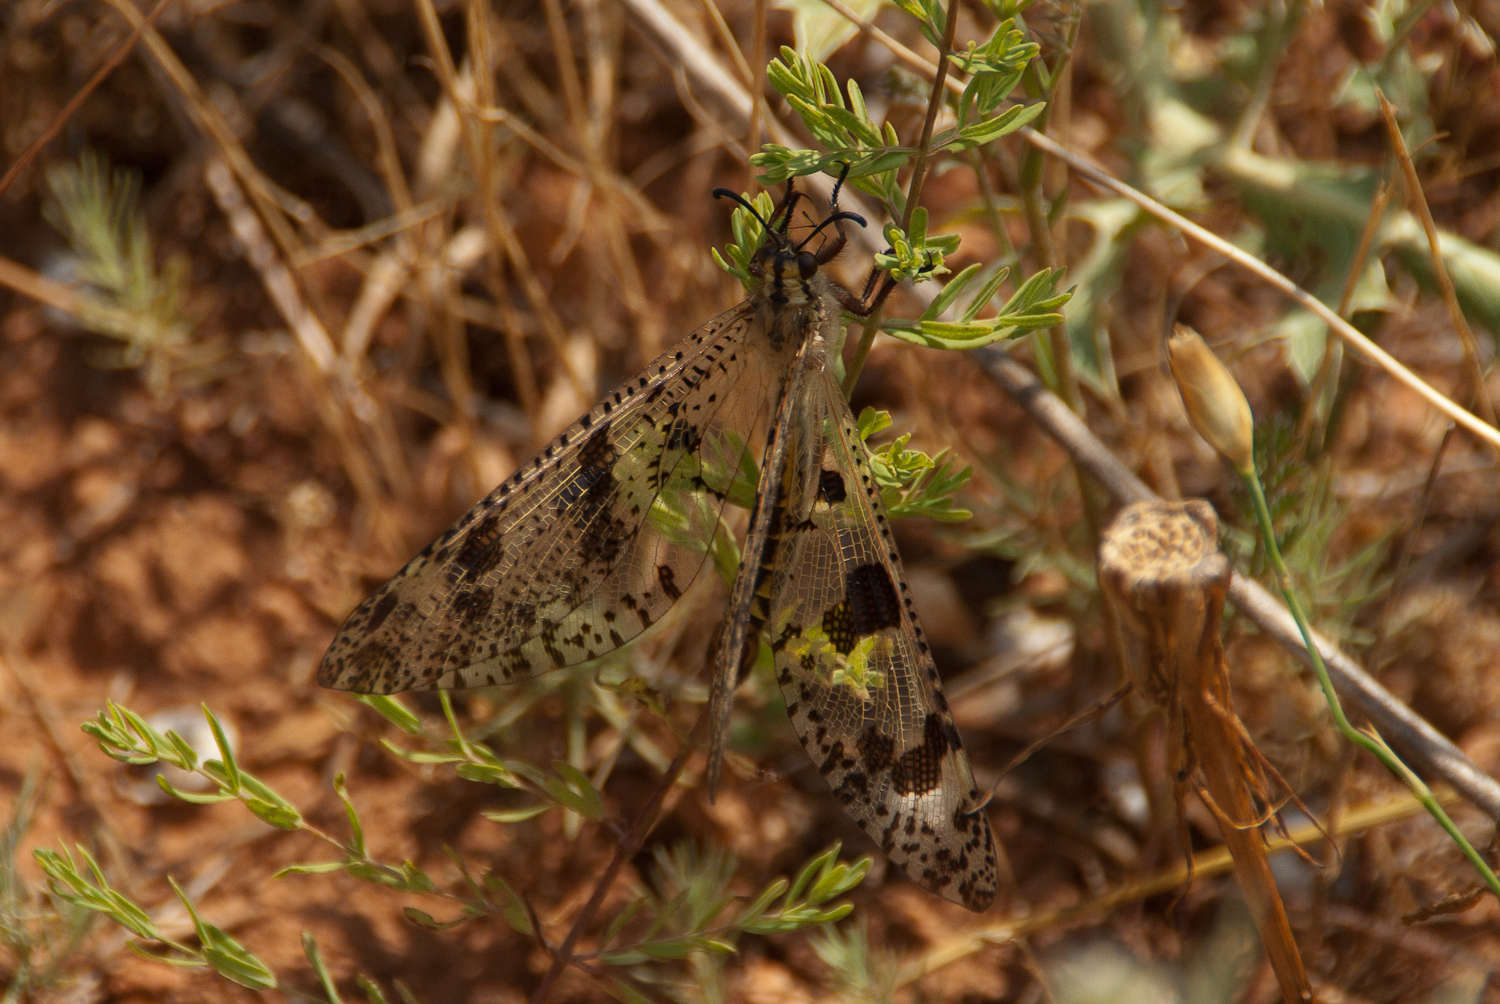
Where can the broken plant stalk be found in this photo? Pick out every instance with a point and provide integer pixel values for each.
(1165, 583)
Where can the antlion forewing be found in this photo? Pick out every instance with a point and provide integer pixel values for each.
(582, 548)
(861, 688)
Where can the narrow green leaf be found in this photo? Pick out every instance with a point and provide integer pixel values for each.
(839, 879)
(985, 294)
(950, 292)
(583, 797)
(192, 797)
(762, 903)
(356, 830)
(375, 995)
(446, 703)
(226, 751)
(671, 948)
(512, 907)
(315, 959)
(419, 756)
(148, 739)
(424, 919)
(631, 909)
(832, 915)
(717, 946)
(509, 816)
(96, 895)
(416, 879)
(278, 814)
(393, 711)
(227, 956)
(812, 868)
(313, 868)
(369, 871)
(236, 964)
(182, 754)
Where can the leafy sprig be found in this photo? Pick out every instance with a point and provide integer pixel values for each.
(123, 294)
(911, 482)
(684, 916)
(86, 886)
(871, 158)
(1035, 304)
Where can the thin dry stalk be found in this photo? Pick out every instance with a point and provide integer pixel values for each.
(114, 59)
(280, 285)
(1417, 204)
(503, 239)
(1352, 336)
(1205, 864)
(1324, 383)
(629, 845)
(1165, 583)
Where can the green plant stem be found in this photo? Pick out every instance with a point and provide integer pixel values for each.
(914, 189)
(1368, 740)
(934, 102)
(861, 352)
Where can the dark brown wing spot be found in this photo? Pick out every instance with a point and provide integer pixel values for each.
(629, 602)
(594, 479)
(872, 599)
(380, 610)
(471, 606)
(831, 487)
(481, 549)
(869, 605)
(603, 540)
(854, 789)
(876, 750)
(368, 669)
(919, 769)
(597, 453)
(834, 760)
(838, 624)
(667, 576)
(684, 435)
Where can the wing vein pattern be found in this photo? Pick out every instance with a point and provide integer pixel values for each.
(861, 689)
(593, 540)
(583, 547)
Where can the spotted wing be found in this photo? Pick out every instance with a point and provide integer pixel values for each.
(861, 689)
(582, 548)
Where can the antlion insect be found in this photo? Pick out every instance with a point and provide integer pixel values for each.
(590, 542)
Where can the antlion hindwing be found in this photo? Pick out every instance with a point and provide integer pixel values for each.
(861, 689)
(582, 548)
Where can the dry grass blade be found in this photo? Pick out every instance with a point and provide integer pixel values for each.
(1355, 338)
(1478, 394)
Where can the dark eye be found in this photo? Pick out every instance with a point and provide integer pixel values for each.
(807, 264)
